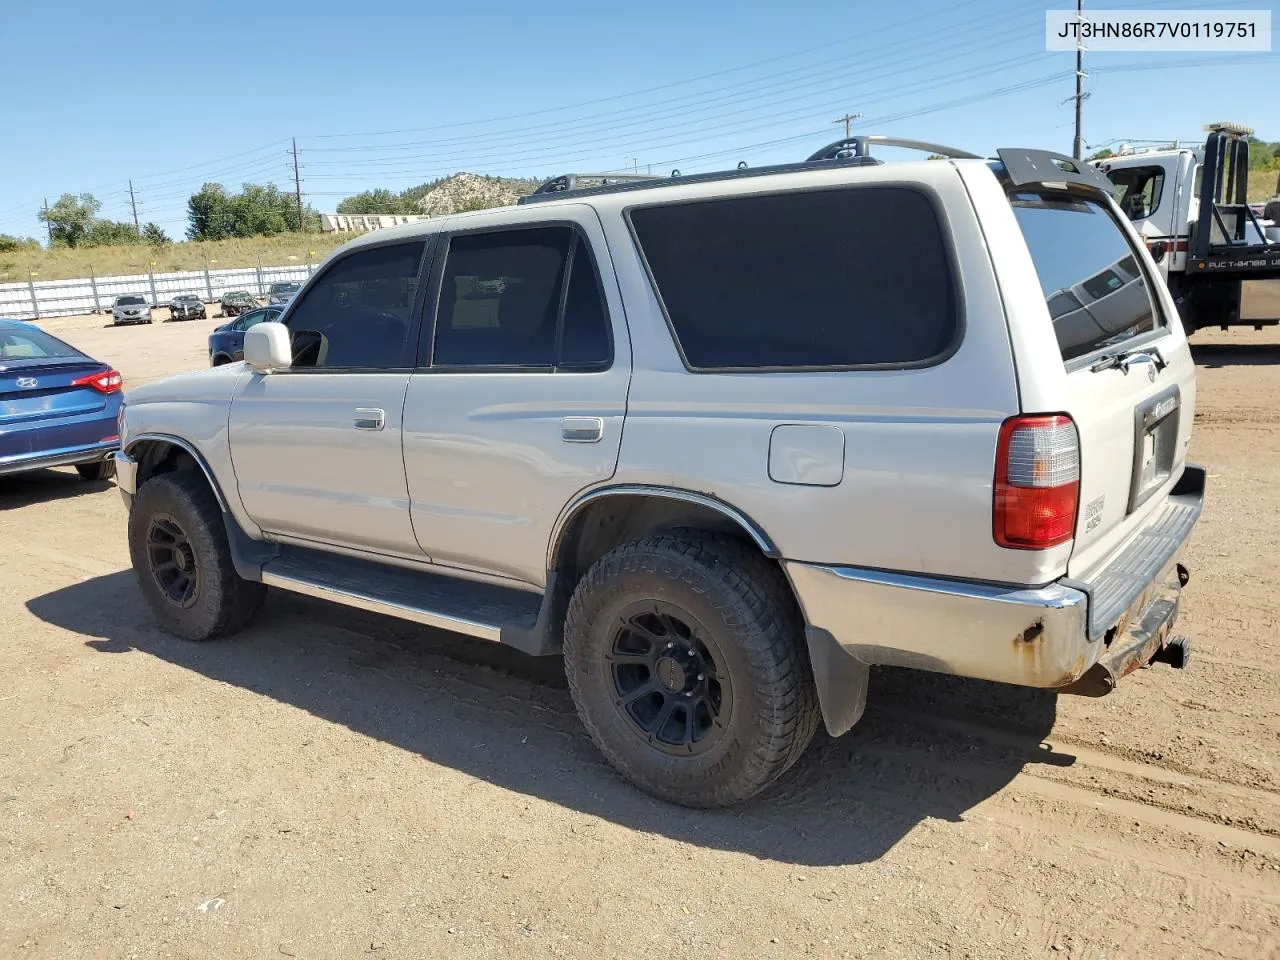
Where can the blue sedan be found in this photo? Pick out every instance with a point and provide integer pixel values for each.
(58, 407)
(226, 343)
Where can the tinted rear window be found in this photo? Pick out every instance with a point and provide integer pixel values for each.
(1096, 292)
(27, 343)
(834, 278)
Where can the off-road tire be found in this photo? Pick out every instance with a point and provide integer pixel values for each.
(101, 470)
(745, 605)
(223, 602)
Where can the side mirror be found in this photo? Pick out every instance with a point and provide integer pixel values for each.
(267, 347)
(1159, 249)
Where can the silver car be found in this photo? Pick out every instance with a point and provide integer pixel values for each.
(130, 308)
(722, 443)
(278, 294)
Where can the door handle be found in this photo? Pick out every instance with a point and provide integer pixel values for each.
(582, 429)
(370, 418)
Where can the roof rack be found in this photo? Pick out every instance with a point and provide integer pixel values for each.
(579, 181)
(851, 152)
(861, 147)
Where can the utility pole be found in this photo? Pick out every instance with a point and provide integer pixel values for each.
(1078, 148)
(297, 187)
(134, 203)
(847, 120)
(47, 225)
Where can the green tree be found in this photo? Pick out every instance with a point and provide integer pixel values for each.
(155, 238)
(209, 215)
(377, 201)
(70, 219)
(257, 210)
(1101, 154)
(11, 244)
(110, 233)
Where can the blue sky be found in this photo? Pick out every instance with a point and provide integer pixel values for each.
(392, 92)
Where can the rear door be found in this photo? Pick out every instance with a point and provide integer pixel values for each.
(41, 406)
(519, 398)
(1133, 414)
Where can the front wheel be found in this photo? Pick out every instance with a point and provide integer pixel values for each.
(687, 665)
(178, 545)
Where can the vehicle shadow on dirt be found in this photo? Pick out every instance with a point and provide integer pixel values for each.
(45, 486)
(924, 749)
(1216, 355)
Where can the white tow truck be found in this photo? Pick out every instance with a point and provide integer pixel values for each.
(1220, 259)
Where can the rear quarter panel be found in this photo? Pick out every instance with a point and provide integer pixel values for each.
(914, 482)
(1046, 385)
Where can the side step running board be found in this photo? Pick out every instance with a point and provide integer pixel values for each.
(464, 606)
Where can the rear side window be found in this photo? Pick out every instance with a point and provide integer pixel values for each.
(1096, 293)
(833, 278)
(521, 298)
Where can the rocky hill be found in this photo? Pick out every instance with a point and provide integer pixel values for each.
(468, 191)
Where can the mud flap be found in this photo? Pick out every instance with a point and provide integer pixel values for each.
(841, 680)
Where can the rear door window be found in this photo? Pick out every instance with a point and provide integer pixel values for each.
(846, 278)
(1096, 293)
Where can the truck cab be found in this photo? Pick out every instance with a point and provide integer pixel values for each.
(1219, 259)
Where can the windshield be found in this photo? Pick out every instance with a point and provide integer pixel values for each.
(130, 301)
(32, 343)
(1094, 288)
(284, 287)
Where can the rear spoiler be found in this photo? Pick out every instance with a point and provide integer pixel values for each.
(1044, 168)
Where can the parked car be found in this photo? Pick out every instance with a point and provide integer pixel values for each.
(58, 406)
(186, 307)
(130, 308)
(226, 343)
(722, 442)
(236, 302)
(279, 294)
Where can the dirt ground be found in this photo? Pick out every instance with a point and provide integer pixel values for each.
(333, 784)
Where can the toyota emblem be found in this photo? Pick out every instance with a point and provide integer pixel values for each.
(27, 383)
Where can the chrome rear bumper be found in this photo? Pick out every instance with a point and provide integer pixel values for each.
(1047, 637)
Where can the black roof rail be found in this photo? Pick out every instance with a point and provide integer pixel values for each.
(852, 152)
(578, 181)
(861, 147)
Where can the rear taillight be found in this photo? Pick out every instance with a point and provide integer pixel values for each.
(1037, 488)
(107, 382)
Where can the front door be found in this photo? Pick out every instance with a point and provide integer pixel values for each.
(317, 448)
(519, 400)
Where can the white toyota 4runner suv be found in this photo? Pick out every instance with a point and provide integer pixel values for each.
(722, 441)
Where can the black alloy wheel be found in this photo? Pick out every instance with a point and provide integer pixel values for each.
(663, 667)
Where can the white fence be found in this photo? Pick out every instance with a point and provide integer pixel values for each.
(54, 298)
(352, 222)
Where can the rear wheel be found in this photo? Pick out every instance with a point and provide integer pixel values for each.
(102, 470)
(178, 545)
(686, 663)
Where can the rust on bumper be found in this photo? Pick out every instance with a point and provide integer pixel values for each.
(1144, 634)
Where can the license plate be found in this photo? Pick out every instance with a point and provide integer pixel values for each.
(1148, 471)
